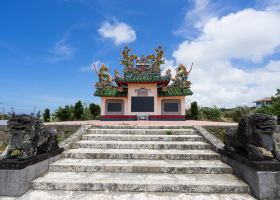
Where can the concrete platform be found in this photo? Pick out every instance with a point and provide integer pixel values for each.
(146, 123)
(141, 131)
(89, 195)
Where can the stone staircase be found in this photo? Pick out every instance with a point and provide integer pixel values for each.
(140, 163)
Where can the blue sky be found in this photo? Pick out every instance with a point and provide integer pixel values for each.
(47, 48)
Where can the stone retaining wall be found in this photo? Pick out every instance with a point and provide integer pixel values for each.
(4, 137)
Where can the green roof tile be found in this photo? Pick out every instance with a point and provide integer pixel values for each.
(143, 78)
(175, 91)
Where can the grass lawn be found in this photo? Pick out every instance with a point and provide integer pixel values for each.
(2, 148)
(219, 132)
(66, 133)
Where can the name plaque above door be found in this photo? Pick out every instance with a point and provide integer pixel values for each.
(143, 92)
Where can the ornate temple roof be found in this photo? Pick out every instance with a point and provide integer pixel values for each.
(142, 70)
(143, 78)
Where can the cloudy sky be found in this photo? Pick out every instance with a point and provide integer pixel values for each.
(47, 48)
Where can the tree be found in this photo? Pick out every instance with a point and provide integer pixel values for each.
(86, 114)
(194, 111)
(63, 114)
(94, 109)
(46, 115)
(78, 110)
(276, 105)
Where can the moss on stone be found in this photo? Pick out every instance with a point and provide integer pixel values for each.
(168, 133)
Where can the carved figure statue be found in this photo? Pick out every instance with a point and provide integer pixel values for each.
(181, 77)
(105, 79)
(128, 60)
(103, 74)
(158, 59)
(29, 138)
(168, 72)
(254, 131)
(116, 73)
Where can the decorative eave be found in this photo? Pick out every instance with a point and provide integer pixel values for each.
(163, 80)
(175, 91)
(110, 92)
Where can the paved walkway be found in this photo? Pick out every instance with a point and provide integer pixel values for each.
(148, 123)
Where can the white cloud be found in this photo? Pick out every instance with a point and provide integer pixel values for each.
(169, 64)
(246, 35)
(61, 51)
(196, 16)
(90, 68)
(200, 14)
(119, 32)
(61, 48)
(270, 5)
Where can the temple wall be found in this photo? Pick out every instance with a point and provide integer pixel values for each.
(103, 102)
(132, 91)
(182, 99)
(153, 92)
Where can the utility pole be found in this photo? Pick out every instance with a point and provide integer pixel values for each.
(3, 110)
(12, 111)
(35, 110)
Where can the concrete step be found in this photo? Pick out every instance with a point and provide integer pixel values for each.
(141, 166)
(143, 144)
(144, 131)
(147, 154)
(93, 195)
(129, 137)
(126, 126)
(141, 182)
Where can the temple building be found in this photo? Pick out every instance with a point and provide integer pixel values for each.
(142, 93)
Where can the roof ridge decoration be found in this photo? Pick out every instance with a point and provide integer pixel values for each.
(180, 85)
(133, 63)
(105, 85)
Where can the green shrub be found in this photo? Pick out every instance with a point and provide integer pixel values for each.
(212, 114)
(46, 115)
(264, 110)
(78, 110)
(95, 110)
(194, 111)
(237, 113)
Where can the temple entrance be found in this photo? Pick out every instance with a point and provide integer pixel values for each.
(142, 104)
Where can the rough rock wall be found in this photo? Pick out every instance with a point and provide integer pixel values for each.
(277, 135)
(64, 131)
(4, 136)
